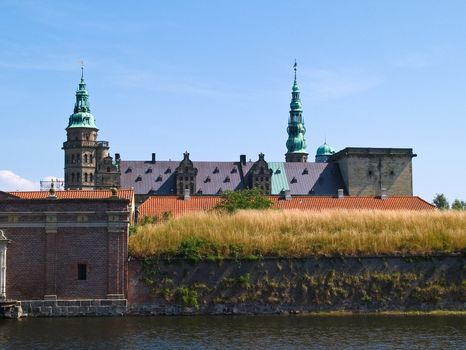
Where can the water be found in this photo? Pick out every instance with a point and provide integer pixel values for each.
(237, 332)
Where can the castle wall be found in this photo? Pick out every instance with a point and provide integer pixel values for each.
(366, 171)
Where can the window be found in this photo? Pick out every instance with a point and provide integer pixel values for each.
(85, 177)
(72, 158)
(91, 177)
(85, 158)
(72, 177)
(78, 158)
(108, 169)
(90, 159)
(82, 272)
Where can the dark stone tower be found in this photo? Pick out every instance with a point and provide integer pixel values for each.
(296, 143)
(88, 164)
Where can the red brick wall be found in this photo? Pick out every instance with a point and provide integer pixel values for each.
(46, 263)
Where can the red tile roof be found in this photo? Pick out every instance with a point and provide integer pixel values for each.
(157, 205)
(75, 194)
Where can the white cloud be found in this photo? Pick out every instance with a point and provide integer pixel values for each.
(328, 85)
(9, 181)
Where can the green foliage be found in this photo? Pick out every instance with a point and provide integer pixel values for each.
(187, 297)
(245, 280)
(244, 199)
(191, 248)
(458, 205)
(441, 202)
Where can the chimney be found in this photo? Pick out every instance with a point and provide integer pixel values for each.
(383, 193)
(242, 159)
(340, 193)
(186, 195)
(153, 158)
(287, 195)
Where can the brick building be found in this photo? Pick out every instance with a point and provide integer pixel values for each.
(66, 248)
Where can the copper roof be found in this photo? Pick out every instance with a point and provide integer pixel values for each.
(157, 205)
(75, 194)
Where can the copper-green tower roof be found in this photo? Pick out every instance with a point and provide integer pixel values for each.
(296, 142)
(82, 117)
(325, 150)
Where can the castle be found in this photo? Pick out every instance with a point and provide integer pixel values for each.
(355, 171)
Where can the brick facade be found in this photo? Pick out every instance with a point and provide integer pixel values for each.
(50, 238)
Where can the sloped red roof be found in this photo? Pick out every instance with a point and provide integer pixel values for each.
(75, 194)
(157, 205)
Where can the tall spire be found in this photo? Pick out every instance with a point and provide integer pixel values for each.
(296, 143)
(82, 116)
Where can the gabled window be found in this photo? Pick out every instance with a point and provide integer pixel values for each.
(168, 171)
(233, 171)
(148, 171)
(139, 178)
(216, 171)
(207, 179)
(227, 179)
(159, 178)
(129, 170)
(293, 180)
(305, 171)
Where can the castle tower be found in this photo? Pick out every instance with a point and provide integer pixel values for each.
(88, 164)
(296, 143)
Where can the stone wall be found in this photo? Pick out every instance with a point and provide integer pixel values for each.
(72, 308)
(368, 284)
(365, 171)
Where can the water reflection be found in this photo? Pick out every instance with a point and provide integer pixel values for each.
(237, 332)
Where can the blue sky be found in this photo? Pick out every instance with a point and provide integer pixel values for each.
(214, 78)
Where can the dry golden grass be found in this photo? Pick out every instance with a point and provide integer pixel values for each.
(299, 233)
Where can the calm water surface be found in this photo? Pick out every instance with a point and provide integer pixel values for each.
(237, 332)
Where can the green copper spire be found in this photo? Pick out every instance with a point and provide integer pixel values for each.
(82, 117)
(296, 142)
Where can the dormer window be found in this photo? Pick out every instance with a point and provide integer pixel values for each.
(199, 191)
(233, 171)
(138, 179)
(159, 178)
(207, 179)
(148, 171)
(227, 179)
(293, 180)
(220, 191)
(168, 171)
(278, 171)
(305, 171)
(216, 171)
(129, 170)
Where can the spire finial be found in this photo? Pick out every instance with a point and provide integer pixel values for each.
(82, 70)
(294, 67)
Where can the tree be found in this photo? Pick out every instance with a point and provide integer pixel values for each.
(244, 199)
(441, 202)
(458, 205)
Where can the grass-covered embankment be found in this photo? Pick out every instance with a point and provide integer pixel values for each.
(299, 234)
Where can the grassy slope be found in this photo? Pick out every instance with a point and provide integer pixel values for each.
(300, 233)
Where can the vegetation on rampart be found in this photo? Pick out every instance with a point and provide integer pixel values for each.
(294, 233)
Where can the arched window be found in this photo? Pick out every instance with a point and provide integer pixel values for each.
(90, 159)
(78, 178)
(91, 176)
(78, 158)
(85, 177)
(85, 158)
(72, 177)
(72, 158)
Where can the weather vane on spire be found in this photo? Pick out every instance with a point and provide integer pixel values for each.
(82, 69)
(294, 67)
